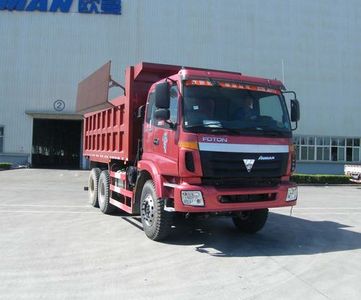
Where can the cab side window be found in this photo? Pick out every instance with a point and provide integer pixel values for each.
(150, 109)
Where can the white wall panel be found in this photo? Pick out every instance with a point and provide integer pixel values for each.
(44, 55)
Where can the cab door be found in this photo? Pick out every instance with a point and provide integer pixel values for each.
(165, 137)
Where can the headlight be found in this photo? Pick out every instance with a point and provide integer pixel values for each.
(193, 198)
(292, 194)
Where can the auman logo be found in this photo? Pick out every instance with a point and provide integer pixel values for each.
(266, 158)
(84, 6)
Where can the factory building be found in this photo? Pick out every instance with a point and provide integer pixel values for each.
(48, 46)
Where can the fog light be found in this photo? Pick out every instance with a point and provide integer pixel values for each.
(292, 194)
(193, 198)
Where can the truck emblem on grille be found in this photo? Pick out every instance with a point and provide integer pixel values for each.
(249, 164)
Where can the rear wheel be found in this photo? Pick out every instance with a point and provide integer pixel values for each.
(251, 221)
(104, 193)
(93, 186)
(156, 221)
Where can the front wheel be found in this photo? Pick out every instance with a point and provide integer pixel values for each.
(251, 221)
(156, 221)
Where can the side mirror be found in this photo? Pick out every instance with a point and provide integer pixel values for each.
(162, 98)
(162, 114)
(295, 110)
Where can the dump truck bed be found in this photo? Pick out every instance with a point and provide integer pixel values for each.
(112, 133)
(106, 135)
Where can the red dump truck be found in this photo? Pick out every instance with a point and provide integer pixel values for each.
(186, 141)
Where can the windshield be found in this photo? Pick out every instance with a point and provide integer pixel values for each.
(216, 109)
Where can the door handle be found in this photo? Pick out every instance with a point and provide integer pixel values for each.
(156, 141)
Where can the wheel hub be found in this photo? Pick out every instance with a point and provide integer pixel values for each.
(101, 197)
(148, 210)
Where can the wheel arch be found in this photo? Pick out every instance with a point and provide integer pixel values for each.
(148, 171)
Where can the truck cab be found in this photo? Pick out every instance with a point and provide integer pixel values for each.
(220, 136)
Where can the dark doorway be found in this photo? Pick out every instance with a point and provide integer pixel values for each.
(56, 144)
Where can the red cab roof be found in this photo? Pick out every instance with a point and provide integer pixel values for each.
(153, 72)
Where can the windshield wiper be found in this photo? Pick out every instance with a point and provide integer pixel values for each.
(257, 130)
(206, 125)
(197, 128)
(225, 130)
(264, 130)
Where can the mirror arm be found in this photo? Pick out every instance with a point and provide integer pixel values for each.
(171, 80)
(171, 124)
(290, 92)
(175, 83)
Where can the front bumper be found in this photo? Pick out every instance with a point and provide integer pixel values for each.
(212, 198)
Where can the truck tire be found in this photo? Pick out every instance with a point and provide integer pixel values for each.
(93, 186)
(251, 221)
(104, 193)
(156, 221)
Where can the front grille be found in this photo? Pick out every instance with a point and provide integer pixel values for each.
(247, 198)
(242, 182)
(231, 165)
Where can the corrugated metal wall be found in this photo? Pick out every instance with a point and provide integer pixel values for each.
(44, 55)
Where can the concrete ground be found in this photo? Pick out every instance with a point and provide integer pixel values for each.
(54, 245)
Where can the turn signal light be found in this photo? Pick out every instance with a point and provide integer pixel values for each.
(188, 145)
(293, 158)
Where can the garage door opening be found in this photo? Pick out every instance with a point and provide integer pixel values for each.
(56, 144)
